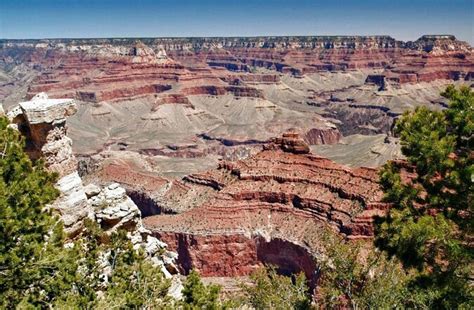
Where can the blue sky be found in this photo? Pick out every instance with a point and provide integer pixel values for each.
(402, 19)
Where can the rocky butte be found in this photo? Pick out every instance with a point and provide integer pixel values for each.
(43, 122)
(268, 209)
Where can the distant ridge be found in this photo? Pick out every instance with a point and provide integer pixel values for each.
(425, 42)
(250, 38)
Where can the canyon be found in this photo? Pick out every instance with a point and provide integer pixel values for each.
(236, 152)
(196, 97)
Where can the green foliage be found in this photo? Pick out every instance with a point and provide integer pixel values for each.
(37, 269)
(430, 226)
(134, 282)
(31, 240)
(269, 290)
(196, 295)
(131, 283)
(353, 274)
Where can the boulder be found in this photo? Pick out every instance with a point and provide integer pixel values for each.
(114, 209)
(92, 190)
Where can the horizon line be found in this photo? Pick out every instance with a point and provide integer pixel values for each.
(219, 37)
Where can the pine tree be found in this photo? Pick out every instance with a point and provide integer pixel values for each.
(354, 275)
(31, 236)
(112, 274)
(430, 226)
(196, 295)
(134, 282)
(269, 290)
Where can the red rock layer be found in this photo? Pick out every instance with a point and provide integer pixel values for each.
(237, 255)
(412, 68)
(127, 175)
(98, 79)
(172, 99)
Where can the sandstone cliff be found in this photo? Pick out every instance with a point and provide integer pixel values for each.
(43, 122)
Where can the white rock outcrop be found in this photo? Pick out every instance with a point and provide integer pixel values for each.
(72, 202)
(43, 122)
(14, 113)
(113, 209)
(41, 109)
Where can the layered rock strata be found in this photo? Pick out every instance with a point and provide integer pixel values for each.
(215, 66)
(269, 208)
(147, 95)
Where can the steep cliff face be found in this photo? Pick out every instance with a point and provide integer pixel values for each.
(116, 45)
(239, 255)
